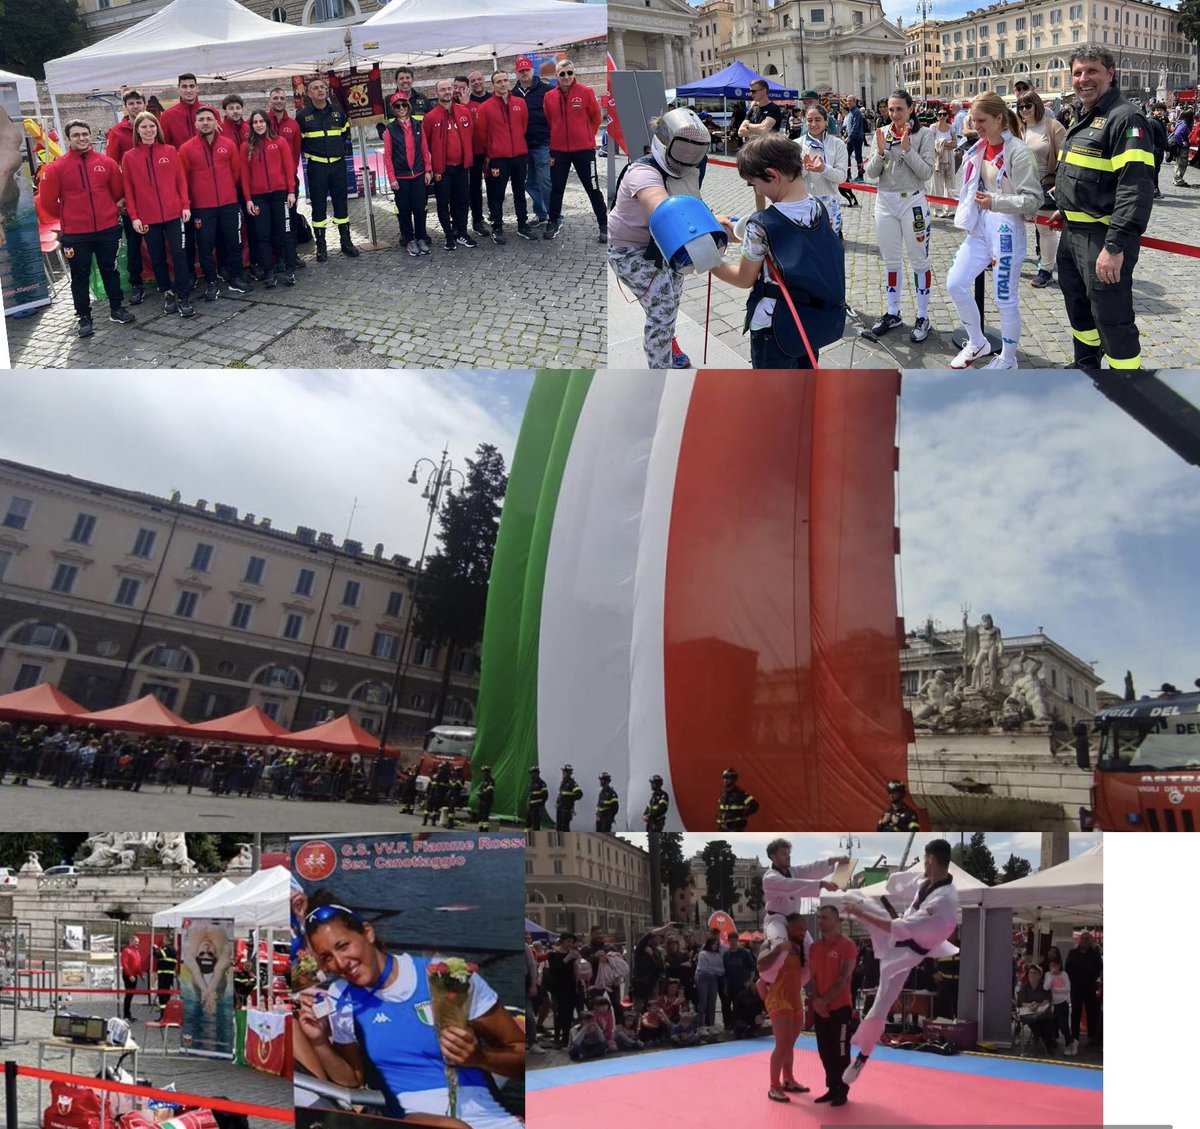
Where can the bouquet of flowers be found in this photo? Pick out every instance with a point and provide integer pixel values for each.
(450, 995)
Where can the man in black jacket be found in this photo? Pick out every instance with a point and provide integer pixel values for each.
(1085, 968)
(537, 136)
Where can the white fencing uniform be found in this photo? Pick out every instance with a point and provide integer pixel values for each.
(782, 892)
(995, 237)
(925, 924)
(902, 216)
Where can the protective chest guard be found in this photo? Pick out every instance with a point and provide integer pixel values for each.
(687, 185)
(812, 262)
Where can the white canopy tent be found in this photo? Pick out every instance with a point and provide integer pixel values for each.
(210, 38)
(450, 31)
(26, 87)
(1071, 891)
(197, 905)
(969, 887)
(261, 902)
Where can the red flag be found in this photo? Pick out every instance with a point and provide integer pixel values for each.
(614, 124)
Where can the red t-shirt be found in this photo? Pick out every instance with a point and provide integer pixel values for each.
(825, 963)
(991, 152)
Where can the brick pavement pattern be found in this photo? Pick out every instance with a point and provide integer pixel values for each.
(1165, 287)
(525, 304)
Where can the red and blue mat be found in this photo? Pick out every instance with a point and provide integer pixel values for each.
(726, 1085)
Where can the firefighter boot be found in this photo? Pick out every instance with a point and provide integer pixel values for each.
(348, 247)
(322, 254)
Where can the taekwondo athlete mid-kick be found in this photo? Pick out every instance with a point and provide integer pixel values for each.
(902, 942)
(783, 887)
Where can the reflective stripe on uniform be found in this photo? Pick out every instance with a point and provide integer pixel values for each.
(1104, 164)
(1101, 163)
(1083, 217)
(1087, 336)
(341, 219)
(324, 132)
(320, 223)
(323, 160)
(1130, 362)
(1122, 159)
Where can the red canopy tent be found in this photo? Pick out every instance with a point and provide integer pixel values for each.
(146, 715)
(250, 725)
(341, 735)
(42, 702)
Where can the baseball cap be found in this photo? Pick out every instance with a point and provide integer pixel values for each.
(809, 94)
(523, 63)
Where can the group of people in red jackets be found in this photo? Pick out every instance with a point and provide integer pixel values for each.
(185, 182)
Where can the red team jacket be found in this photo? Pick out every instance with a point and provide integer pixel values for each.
(179, 122)
(81, 190)
(448, 134)
(156, 188)
(574, 118)
(500, 126)
(238, 132)
(213, 171)
(269, 169)
(289, 131)
(120, 140)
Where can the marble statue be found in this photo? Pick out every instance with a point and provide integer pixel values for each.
(173, 851)
(936, 695)
(33, 864)
(983, 648)
(1027, 689)
(108, 850)
(243, 860)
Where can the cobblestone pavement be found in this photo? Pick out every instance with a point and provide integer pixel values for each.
(1166, 293)
(40, 807)
(190, 1073)
(537, 304)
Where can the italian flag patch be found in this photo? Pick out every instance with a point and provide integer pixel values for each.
(1134, 132)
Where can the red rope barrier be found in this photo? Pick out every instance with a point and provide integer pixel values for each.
(268, 1113)
(1168, 245)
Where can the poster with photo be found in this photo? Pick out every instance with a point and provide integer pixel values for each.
(22, 275)
(409, 948)
(206, 984)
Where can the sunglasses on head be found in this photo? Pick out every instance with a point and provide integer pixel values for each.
(323, 914)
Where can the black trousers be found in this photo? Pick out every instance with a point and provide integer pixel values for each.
(164, 241)
(766, 353)
(80, 249)
(564, 1014)
(452, 200)
(273, 230)
(833, 1045)
(166, 983)
(605, 822)
(133, 245)
(477, 190)
(1085, 1001)
(535, 817)
(499, 171)
(1100, 313)
(327, 180)
(411, 197)
(127, 1006)
(562, 818)
(223, 223)
(584, 163)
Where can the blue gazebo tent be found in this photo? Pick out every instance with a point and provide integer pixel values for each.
(733, 82)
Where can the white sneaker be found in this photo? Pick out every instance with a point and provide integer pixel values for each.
(535, 1049)
(1000, 361)
(851, 1073)
(1072, 1048)
(970, 354)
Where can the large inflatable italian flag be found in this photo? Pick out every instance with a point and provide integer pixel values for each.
(696, 571)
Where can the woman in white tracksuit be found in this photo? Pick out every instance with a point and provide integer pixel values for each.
(902, 163)
(826, 162)
(1000, 187)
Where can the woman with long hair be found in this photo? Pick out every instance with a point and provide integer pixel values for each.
(268, 187)
(710, 967)
(826, 162)
(999, 189)
(1044, 137)
(944, 145)
(785, 1006)
(156, 201)
(403, 1052)
(902, 164)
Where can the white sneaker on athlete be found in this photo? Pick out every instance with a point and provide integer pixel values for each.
(1000, 361)
(970, 354)
(851, 1073)
(921, 329)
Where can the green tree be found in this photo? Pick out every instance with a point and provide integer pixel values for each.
(719, 863)
(1189, 19)
(36, 30)
(452, 594)
(977, 859)
(51, 848)
(675, 870)
(755, 900)
(1015, 868)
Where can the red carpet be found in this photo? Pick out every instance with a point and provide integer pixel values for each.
(731, 1093)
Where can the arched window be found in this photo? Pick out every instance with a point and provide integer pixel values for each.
(279, 14)
(771, 69)
(372, 693)
(162, 657)
(37, 633)
(985, 72)
(327, 11)
(278, 677)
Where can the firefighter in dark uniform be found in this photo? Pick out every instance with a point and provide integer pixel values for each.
(458, 790)
(607, 803)
(569, 794)
(897, 816)
(165, 968)
(244, 983)
(435, 795)
(945, 985)
(539, 795)
(407, 790)
(1104, 189)
(735, 806)
(484, 797)
(655, 813)
(323, 129)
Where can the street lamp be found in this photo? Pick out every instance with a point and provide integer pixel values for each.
(437, 481)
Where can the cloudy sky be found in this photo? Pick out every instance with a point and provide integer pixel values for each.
(1034, 498)
(868, 847)
(297, 447)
